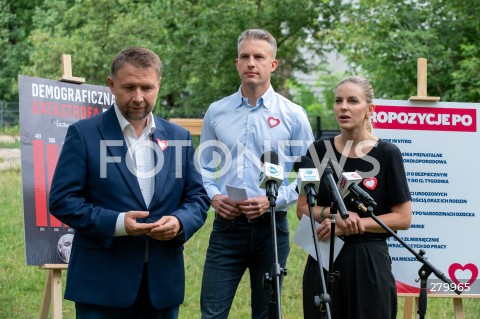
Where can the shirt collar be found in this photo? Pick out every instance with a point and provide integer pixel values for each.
(265, 99)
(124, 122)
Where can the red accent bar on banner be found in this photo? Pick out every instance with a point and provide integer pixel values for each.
(40, 192)
(52, 159)
(425, 118)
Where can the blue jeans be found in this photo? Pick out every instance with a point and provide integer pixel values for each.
(235, 246)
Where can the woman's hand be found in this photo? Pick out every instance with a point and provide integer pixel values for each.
(351, 226)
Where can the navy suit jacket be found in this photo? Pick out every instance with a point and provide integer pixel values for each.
(92, 185)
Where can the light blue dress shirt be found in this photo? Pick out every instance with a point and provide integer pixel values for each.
(236, 134)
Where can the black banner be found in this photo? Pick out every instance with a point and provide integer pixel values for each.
(47, 108)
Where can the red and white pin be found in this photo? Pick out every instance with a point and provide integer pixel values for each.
(273, 121)
(163, 144)
(370, 183)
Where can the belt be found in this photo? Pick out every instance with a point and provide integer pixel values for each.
(266, 218)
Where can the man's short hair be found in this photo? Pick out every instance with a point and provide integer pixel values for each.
(138, 57)
(258, 34)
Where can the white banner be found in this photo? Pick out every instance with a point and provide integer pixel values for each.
(440, 144)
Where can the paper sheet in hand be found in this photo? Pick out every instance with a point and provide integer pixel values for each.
(303, 238)
(235, 193)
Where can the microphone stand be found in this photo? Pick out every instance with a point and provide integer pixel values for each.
(324, 299)
(332, 275)
(273, 280)
(424, 271)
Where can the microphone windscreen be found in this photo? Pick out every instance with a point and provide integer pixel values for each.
(269, 157)
(305, 162)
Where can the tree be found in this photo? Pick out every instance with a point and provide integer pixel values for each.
(383, 39)
(15, 27)
(196, 40)
(318, 105)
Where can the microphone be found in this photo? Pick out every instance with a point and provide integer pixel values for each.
(346, 181)
(349, 183)
(363, 195)
(308, 178)
(271, 175)
(334, 192)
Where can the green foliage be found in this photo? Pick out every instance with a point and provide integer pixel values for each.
(14, 145)
(385, 38)
(10, 130)
(15, 27)
(197, 42)
(320, 104)
(467, 80)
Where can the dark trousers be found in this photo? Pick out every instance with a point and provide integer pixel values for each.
(365, 288)
(142, 308)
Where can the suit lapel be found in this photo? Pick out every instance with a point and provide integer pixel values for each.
(110, 130)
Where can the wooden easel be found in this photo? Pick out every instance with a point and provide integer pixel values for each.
(411, 305)
(52, 290)
(67, 71)
(411, 300)
(422, 83)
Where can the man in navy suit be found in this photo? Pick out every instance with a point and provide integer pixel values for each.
(126, 182)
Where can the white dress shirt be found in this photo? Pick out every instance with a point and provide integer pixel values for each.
(142, 160)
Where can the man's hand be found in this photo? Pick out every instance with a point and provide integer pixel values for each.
(165, 228)
(134, 228)
(254, 207)
(225, 207)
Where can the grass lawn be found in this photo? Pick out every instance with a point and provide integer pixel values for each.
(21, 286)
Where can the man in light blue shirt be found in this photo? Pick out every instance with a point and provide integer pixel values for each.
(236, 131)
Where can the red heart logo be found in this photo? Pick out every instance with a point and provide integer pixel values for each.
(405, 288)
(162, 143)
(370, 183)
(456, 266)
(272, 121)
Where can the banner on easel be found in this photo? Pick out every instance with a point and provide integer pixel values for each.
(440, 144)
(47, 108)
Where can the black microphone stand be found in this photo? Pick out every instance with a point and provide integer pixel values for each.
(336, 204)
(273, 280)
(424, 271)
(332, 275)
(324, 299)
